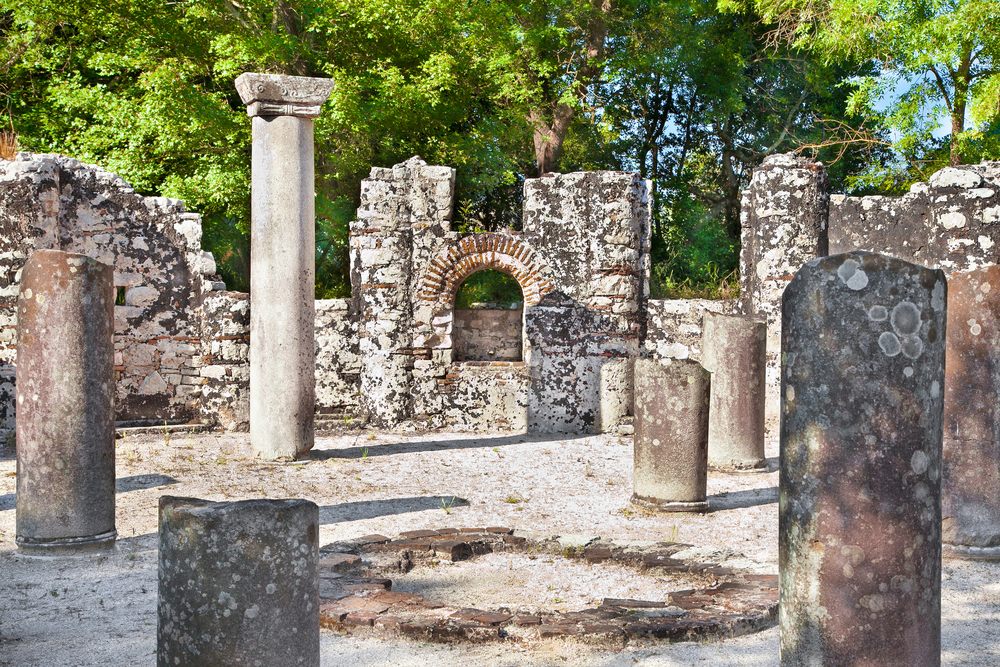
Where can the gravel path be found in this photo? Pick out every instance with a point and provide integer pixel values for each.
(102, 611)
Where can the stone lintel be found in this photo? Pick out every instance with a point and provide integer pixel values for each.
(281, 95)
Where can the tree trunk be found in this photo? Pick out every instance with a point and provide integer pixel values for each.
(549, 135)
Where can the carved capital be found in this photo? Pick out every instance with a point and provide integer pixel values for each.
(280, 95)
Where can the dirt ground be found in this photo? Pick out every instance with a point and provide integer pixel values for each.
(102, 610)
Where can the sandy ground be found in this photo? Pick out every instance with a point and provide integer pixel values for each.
(102, 610)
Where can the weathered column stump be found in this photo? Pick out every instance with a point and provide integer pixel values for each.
(283, 270)
(971, 481)
(863, 350)
(734, 351)
(671, 435)
(238, 583)
(65, 404)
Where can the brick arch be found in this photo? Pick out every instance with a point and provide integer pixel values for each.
(485, 251)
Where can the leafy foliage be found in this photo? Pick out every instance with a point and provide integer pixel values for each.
(489, 286)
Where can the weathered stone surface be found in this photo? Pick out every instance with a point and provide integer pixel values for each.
(238, 583)
(161, 272)
(671, 434)
(482, 334)
(282, 95)
(971, 480)
(783, 215)
(66, 399)
(734, 352)
(863, 350)
(674, 326)
(282, 274)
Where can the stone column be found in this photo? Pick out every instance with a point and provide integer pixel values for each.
(238, 583)
(283, 252)
(733, 350)
(784, 215)
(65, 402)
(863, 350)
(671, 435)
(971, 482)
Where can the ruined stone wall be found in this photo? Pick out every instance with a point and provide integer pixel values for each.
(674, 326)
(338, 363)
(484, 334)
(789, 218)
(54, 202)
(593, 229)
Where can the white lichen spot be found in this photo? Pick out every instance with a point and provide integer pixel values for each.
(919, 462)
(878, 314)
(912, 347)
(252, 612)
(905, 318)
(27, 293)
(985, 288)
(790, 394)
(952, 220)
(656, 442)
(889, 344)
(908, 371)
(935, 389)
(985, 242)
(937, 296)
(850, 272)
(271, 588)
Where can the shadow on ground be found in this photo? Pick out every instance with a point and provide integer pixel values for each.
(360, 450)
(735, 500)
(370, 509)
(137, 482)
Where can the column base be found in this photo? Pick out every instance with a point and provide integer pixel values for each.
(670, 506)
(970, 553)
(67, 546)
(750, 467)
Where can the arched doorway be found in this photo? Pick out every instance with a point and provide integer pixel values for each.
(489, 318)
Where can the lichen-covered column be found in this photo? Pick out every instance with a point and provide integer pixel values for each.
(734, 351)
(283, 252)
(671, 435)
(238, 583)
(971, 483)
(784, 215)
(65, 402)
(863, 350)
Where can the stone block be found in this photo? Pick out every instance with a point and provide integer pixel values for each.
(238, 583)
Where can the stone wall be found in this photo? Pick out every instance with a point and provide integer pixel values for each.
(487, 334)
(789, 218)
(397, 352)
(154, 245)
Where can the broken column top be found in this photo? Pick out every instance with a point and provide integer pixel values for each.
(281, 95)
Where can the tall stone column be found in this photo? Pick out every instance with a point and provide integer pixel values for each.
(65, 402)
(859, 527)
(671, 435)
(971, 481)
(733, 351)
(283, 261)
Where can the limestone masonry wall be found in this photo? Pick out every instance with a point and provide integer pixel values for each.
(789, 218)
(161, 272)
(483, 334)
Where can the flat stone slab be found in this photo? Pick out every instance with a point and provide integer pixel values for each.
(727, 603)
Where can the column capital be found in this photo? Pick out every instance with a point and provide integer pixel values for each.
(281, 95)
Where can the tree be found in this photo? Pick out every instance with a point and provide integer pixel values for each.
(945, 52)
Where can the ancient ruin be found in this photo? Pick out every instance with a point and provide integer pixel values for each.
(282, 274)
(65, 417)
(237, 583)
(671, 435)
(863, 351)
